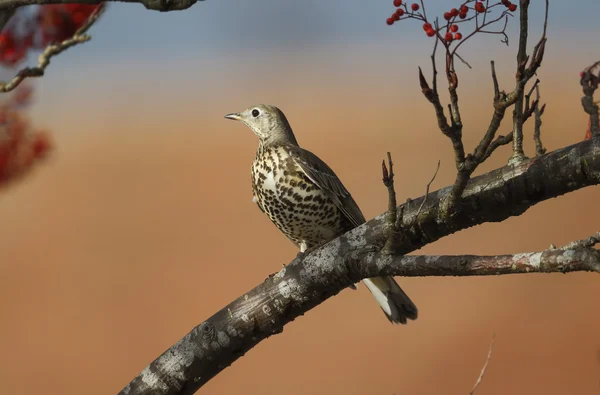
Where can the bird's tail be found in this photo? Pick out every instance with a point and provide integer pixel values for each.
(396, 305)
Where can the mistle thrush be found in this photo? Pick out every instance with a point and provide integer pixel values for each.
(306, 200)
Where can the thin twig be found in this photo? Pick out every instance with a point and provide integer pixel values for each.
(583, 243)
(394, 223)
(485, 365)
(426, 193)
(537, 129)
(590, 78)
(53, 50)
(388, 181)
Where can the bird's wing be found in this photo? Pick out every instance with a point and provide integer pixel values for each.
(324, 178)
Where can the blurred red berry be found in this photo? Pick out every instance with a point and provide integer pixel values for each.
(512, 7)
(457, 36)
(454, 12)
(427, 26)
(390, 21)
(454, 28)
(397, 3)
(414, 7)
(447, 16)
(464, 9)
(395, 17)
(41, 145)
(462, 15)
(448, 37)
(479, 7)
(399, 12)
(430, 32)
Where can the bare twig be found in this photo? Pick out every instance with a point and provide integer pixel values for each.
(485, 365)
(394, 222)
(537, 128)
(388, 181)
(590, 77)
(524, 73)
(584, 243)
(426, 193)
(53, 50)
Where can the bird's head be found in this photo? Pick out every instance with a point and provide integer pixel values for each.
(267, 122)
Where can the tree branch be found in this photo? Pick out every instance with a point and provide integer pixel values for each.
(157, 5)
(52, 50)
(308, 281)
(590, 78)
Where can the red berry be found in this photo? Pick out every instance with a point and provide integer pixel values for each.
(426, 26)
(479, 7)
(447, 16)
(457, 36)
(430, 32)
(399, 12)
(454, 28)
(512, 7)
(397, 3)
(462, 15)
(454, 12)
(414, 7)
(464, 9)
(448, 37)
(395, 17)
(390, 21)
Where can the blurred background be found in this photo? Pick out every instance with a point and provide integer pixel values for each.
(140, 225)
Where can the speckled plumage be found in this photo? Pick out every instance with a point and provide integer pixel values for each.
(306, 200)
(298, 207)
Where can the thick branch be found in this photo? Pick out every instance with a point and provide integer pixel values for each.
(157, 5)
(305, 283)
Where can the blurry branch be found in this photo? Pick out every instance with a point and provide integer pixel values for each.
(8, 7)
(53, 50)
(5, 16)
(467, 164)
(157, 5)
(590, 77)
(309, 280)
(484, 368)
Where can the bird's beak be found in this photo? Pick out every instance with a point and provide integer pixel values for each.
(235, 116)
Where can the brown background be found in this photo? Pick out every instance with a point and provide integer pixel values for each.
(141, 226)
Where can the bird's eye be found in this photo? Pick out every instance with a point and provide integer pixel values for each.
(255, 113)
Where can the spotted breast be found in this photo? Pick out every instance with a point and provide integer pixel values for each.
(300, 209)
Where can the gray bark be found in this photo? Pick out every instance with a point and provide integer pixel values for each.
(308, 281)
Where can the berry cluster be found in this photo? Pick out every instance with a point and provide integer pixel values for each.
(511, 7)
(449, 32)
(49, 24)
(20, 147)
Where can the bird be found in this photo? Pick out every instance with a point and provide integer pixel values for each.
(307, 201)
